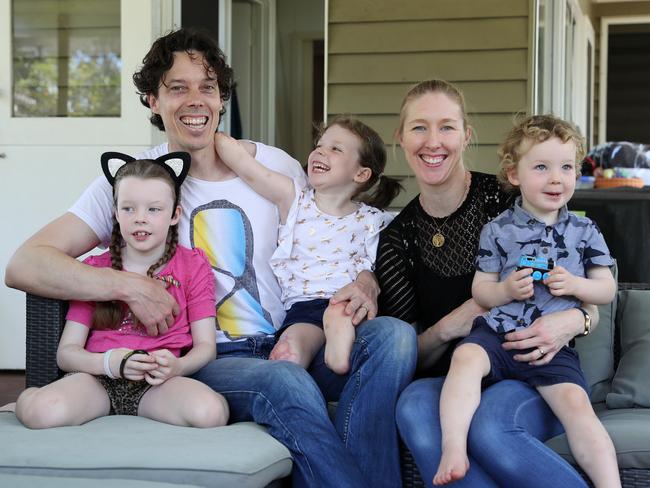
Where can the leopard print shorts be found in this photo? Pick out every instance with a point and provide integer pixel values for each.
(124, 395)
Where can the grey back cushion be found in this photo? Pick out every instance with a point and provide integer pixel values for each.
(631, 384)
(597, 352)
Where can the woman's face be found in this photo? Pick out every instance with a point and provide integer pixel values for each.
(433, 137)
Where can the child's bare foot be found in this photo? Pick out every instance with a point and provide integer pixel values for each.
(339, 337)
(9, 407)
(453, 466)
(285, 350)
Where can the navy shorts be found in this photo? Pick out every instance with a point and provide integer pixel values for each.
(307, 312)
(563, 368)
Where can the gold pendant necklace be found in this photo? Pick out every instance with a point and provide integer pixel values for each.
(438, 238)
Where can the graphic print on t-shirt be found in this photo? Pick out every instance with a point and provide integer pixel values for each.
(239, 312)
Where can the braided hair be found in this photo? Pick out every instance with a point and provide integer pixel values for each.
(109, 315)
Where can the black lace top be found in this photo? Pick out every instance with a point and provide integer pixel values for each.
(421, 283)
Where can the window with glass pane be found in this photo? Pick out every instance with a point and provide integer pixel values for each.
(66, 58)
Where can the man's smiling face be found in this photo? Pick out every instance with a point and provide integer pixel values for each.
(189, 103)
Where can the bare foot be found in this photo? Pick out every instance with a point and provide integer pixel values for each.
(339, 337)
(453, 466)
(9, 407)
(285, 350)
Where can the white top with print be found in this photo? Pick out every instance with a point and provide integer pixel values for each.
(318, 254)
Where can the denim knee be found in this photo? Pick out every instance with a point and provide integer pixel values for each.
(418, 404)
(394, 339)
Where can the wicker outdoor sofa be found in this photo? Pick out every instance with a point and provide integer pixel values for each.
(615, 357)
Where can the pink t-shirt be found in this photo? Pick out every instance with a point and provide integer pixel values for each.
(192, 286)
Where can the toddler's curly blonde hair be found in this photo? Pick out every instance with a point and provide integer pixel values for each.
(532, 130)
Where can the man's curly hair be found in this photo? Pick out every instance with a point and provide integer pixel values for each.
(532, 130)
(160, 59)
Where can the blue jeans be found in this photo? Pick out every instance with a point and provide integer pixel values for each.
(360, 448)
(506, 438)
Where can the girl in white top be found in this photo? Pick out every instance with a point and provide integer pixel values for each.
(326, 238)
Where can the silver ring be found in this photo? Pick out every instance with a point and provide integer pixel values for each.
(541, 352)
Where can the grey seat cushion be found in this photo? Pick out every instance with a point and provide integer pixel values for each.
(241, 455)
(26, 481)
(629, 429)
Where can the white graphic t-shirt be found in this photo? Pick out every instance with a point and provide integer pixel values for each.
(237, 229)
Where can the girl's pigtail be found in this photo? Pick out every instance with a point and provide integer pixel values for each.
(385, 191)
(170, 249)
(109, 315)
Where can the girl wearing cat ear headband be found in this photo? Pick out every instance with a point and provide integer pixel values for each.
(118, 368)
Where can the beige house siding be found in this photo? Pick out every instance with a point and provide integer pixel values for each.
(377, 49)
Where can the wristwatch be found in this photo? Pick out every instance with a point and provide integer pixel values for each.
(587, 321)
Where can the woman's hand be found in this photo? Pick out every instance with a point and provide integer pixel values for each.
(136, 367)
(546, 336)
(167, 364)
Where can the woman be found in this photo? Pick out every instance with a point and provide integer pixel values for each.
(425, 266)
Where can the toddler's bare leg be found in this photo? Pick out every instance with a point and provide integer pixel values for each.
(186, 402)
(299, 343)
(459, 399)
(339, 337)
(590, 443)
(72, 400)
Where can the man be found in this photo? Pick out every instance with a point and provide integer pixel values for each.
(185, 82)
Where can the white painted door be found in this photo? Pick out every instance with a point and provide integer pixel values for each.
(50, 141)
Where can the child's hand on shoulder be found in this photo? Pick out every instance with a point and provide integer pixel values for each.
(228, 148)
(560, 282)
(167, 364)
(519, 284)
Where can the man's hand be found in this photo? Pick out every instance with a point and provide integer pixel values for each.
(168, 366)
(560, 282)
(519, 284)
(150, 302)
(361, 296)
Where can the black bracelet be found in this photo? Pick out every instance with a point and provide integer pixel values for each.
(126, 358)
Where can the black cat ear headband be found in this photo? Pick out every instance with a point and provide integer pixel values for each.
(177, 165)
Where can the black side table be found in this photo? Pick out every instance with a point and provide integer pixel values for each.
(623, 216)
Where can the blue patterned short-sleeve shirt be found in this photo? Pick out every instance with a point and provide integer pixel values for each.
(573, 242)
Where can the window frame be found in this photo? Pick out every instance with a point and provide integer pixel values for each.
(550, 61)
(130, 128)
(605, 22)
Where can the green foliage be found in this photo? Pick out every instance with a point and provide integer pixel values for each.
(92, 87)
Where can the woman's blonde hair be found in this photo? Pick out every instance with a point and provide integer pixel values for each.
(532, 130)
(432, 86)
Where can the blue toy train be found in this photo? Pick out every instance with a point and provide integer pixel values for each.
(540, 266)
